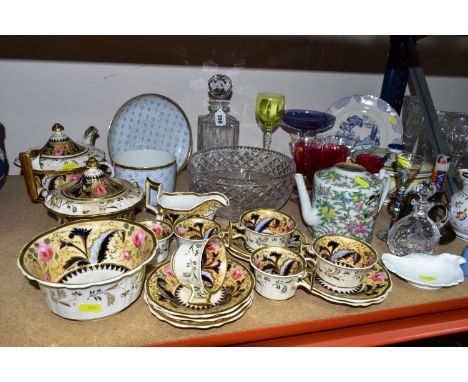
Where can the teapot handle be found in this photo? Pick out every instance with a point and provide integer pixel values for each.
(90, 135)
(150, 186)
(386, 186)
(26, 167)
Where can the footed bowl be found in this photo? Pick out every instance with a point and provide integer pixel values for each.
(90, 268)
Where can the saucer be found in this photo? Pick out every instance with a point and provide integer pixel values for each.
(204, 320)
(239, 250)
(151, 121)
(164, 291)
(197, 325)
(376, 287)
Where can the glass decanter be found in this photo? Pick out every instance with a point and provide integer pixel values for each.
(218, 128)
(417, 232)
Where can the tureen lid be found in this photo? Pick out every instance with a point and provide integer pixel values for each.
(93, 184)
(60, 144)
(95, 193)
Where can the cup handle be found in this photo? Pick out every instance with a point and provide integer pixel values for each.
(149, 186)
(238, 227)
(109, 166)
(306, 279)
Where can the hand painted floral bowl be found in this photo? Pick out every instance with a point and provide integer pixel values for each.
(91, 268)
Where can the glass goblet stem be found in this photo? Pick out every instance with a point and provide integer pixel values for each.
(267, 139)
(397, 205)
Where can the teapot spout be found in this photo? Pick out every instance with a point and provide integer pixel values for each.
(310, 214)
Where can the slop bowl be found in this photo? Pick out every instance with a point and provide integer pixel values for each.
(89, 269)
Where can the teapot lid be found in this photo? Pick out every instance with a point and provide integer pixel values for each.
(349, 176)
(93, 184)
(60, 145)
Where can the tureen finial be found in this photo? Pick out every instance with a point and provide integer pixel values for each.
(92, 162)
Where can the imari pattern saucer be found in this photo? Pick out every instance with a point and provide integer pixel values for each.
(164, 292)
(376, 287)
(239, 250)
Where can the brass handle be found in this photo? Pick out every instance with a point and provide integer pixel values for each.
(26, 167)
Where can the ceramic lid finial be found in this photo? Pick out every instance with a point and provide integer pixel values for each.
(57, 127)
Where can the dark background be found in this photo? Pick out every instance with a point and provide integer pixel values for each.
(440, 55)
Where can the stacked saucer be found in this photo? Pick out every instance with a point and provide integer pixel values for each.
(168, 300)
(375, 288)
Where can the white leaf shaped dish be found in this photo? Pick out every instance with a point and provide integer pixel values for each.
(426, 271)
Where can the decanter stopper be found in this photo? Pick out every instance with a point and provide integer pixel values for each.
(220, 87)
(425, 190)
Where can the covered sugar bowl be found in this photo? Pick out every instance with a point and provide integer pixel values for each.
(94, 194)
(59, 161)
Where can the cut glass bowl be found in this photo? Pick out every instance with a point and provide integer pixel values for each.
(250, 177)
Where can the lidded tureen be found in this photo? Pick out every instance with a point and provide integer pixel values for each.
(58, 162)
(94, 194)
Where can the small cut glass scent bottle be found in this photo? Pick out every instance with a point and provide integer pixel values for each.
(218, 128)
(418, 233)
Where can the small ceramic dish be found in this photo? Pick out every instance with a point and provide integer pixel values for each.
(90, 268)
(427, 271)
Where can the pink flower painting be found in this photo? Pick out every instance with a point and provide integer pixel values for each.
(181, 231)
(168, 271)
(237, 273)
(74, 177)
(100, 191)
(45, 252)
(58, 152)
(138, 238)
(157, 229)
(126, 255)
(379, 276)
(212, 246)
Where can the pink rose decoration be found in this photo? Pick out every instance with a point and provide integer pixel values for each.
(168, 271)
(58, 152)
(157, 229)
(212, 246)
(257, 263)
(65, 146)
(181, 231)
(361, 228)
(45, 252)
(237, 273)
(47, 276)
(138, 238)
(126, 255)
(289, 225)
(379, 276)
(100, 191)
(74, 177)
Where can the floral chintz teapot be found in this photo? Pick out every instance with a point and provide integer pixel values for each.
(346, 200)
(58, 162)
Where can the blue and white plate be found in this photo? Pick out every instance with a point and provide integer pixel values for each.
(151, 121)
(369, 119)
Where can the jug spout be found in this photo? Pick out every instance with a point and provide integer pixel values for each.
(310, 214)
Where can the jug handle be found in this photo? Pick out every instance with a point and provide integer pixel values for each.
(386, 186)
(149, 186)
(440, 223)
(26, 167)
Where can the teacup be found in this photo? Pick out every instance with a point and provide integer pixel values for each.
(195, 229)
(163, 232)
(137, 165)
(342, 261)
(279, 272)
(265, 227)
(201, 266)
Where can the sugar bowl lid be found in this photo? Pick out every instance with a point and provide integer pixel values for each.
(60, 145)
(94, 194)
